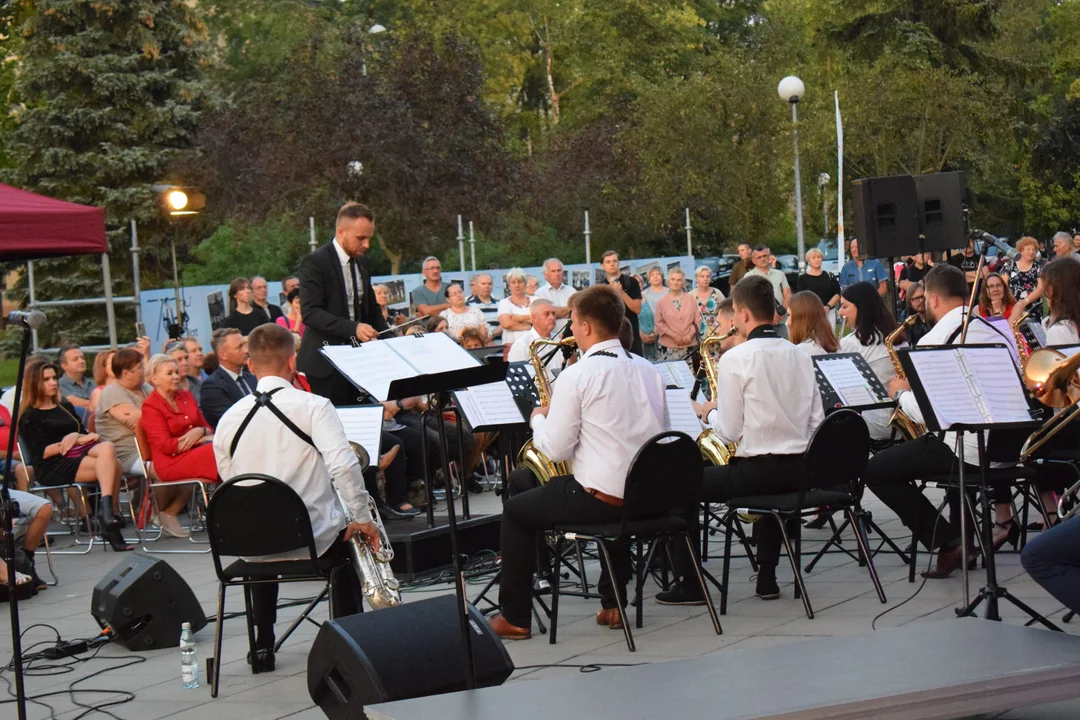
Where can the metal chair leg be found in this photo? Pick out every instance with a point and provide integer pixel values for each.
(606, 556)
(701, 581)
(303, 616)
(728, 520)
(793, 557)
(555, 590)
(250, 628)
(864, 545)
(217, 639)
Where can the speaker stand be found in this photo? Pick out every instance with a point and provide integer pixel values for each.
(7, 509)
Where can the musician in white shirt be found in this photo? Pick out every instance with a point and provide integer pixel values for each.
(890, 472)
(313, 469)
(1060, 283)
(770, 405)
(603, 410)
(542, 314)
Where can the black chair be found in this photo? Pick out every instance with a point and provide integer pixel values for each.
(833, 465)
(664, 480)
(237, 518)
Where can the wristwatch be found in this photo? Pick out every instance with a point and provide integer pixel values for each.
(400, 405)
(898, 393)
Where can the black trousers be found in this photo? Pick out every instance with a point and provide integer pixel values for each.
(761, 475)
(346, 591)
(525, 514)
(889, 476)
(397, 473)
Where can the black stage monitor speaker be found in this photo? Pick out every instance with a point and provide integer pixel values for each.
(403, 652)
(143, 601)
(886, 216)
(941, 208)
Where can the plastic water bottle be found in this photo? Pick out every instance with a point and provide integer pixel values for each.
(189, 658)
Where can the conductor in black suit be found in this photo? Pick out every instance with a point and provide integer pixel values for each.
(337, 302)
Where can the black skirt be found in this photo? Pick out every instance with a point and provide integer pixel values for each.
(57, 470)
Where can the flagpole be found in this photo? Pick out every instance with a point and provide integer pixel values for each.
(839, 182)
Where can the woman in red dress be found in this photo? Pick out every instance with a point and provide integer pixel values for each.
(180, 439)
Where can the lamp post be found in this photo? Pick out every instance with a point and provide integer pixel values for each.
(791, 90)
(373, 30)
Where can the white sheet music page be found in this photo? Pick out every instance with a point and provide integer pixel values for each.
(1068, 350)
(681, 413)
(997, 382)
(847, 380)
(372, 366)
(432, 353)
(677, 373)
(363, 425)
(947, 387)
(489, 404)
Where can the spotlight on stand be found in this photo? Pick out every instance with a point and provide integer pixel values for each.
(177, 200)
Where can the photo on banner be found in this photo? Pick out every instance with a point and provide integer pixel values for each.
(215, 304)
(396, 289)
(579, 279)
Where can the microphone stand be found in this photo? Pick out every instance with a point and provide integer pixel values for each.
(7, 508)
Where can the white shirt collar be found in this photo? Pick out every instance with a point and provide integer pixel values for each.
(343, 257)
(605, 345)
(270, 382)
(230, 372)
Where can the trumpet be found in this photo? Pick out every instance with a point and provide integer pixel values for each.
(900, 421)
(380, 588)
(1052, 378)
(528, 456)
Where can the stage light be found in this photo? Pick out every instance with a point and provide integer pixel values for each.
(177, 199)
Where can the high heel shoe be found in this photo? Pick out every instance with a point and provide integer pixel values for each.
(110, 526)
(1012, 536)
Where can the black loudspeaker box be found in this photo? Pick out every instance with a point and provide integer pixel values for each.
(941, 209)
(144, 602)
(398, 653)
(886, 216)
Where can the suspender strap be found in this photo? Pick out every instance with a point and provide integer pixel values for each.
(263, 400)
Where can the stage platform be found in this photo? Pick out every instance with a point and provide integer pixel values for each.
(929, 671)
(421, 550)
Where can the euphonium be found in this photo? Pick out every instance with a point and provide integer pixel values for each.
(529, 457)
(1052, 378)
(713, 451)
(900, 421)
(381, 589)
(1021, 343)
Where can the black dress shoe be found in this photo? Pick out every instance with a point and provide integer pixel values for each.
(263, 661)
(767, 589)
(680, 594)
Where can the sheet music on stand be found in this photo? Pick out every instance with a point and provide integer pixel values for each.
(1033, 330)
(374, 366)
(363, 426)
(847, 380)
(1067, 350)
(676, 373)
(489, 406)
(966, 385)
(520, 381)
(681, 413)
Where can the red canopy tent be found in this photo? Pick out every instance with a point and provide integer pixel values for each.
(34, 226)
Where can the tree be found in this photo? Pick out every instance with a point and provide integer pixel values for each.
(108, 93)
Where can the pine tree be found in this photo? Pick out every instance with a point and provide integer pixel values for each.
(106, 92)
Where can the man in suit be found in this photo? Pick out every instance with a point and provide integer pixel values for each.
(337, 302)
(231, 381)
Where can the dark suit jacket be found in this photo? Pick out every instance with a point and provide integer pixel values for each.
(325, 309)
(219, 392)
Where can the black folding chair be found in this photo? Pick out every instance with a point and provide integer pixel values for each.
(664, 479)
(253, 515)
(834, 462)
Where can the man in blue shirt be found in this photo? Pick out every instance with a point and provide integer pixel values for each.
(859, 270)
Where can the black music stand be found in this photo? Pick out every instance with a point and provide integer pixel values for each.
(992, 592)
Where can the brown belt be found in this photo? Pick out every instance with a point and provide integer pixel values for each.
(604, 497)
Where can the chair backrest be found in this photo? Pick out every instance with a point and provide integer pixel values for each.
(251, 515)
(838, 453)
(665, 475)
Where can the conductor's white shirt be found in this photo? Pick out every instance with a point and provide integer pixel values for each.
(270, 448)
(604, 408)
(769, 400)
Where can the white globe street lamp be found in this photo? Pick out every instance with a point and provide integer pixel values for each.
(791, 90)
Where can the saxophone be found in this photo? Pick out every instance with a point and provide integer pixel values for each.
(713, 451)
(900, 421)
(529, 457)
(1021, 343)
(380, 588)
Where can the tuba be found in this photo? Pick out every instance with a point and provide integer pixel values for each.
(380, 588)
(908, 428)
(529, 457)
(1052, 378)
(713, 451)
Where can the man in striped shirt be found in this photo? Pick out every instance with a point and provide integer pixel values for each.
(487, 304)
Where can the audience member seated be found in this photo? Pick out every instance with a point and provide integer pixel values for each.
(75, 387)
(62, 453)
(195, 356)
(31, 523)
(1052, 558)
(995, 299)
(542, 317)
(231, 380)
(460, 316)
(472, 339)
(435, 324)
(180, 440)
(808, 325)
(103, 375)
(178, 352)
(209, 364)
(243, 317)
(120, 407)
(293, 321)
(18, 469)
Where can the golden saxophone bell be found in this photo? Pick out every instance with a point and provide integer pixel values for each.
(900, 421)
(713, 450)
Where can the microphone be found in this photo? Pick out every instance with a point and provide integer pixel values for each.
(1005, 249)
(32, 320)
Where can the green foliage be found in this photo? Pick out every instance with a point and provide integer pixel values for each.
(272, 249)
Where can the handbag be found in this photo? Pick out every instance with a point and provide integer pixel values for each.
(79, 451)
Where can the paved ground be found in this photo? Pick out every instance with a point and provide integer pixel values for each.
(842, 594)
